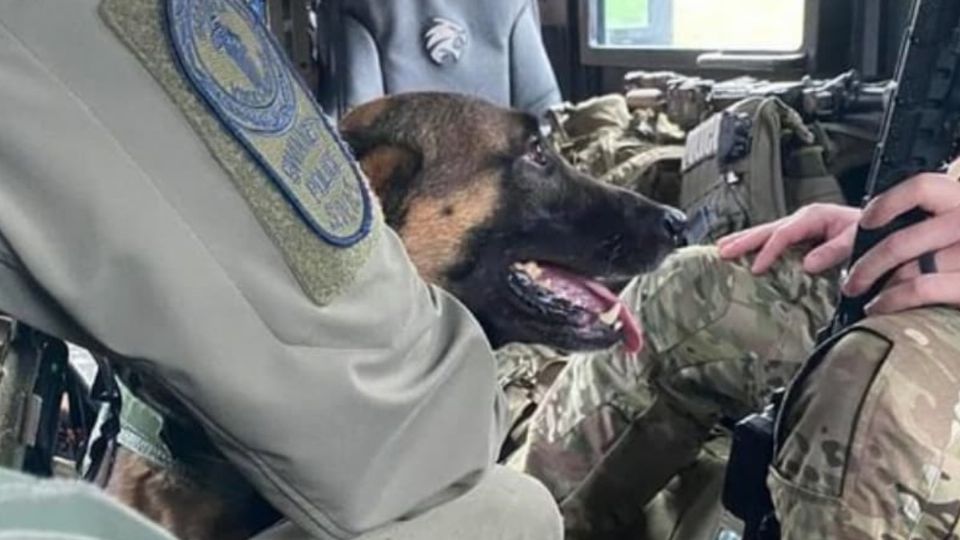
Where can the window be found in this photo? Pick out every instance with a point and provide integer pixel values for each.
(665, 26)
(634, 22)
(750, 25)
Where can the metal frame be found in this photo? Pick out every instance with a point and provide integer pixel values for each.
(289, 20)
(661, 19)
(593, 53)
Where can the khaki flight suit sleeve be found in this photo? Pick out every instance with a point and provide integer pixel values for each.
(32, 303)
(119, 224)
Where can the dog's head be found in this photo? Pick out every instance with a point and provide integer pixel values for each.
(532, 247)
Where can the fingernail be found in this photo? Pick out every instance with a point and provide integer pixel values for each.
(846, 286)
(867, 219)
(810, 266)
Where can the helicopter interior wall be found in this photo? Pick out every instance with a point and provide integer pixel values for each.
(859, 34)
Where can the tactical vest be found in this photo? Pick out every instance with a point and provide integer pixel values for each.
(752, 163)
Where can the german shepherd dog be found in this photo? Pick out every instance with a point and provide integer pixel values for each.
(486, 210)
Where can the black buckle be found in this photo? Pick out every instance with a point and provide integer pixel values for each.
(98, 457)
(745, 492)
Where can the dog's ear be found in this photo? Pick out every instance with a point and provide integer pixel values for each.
(365, 117)
(389, 164)
(384, 160)
(388, 167)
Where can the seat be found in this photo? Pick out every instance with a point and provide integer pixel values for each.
(490, 48)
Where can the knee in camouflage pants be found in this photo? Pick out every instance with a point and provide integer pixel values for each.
(614, 430)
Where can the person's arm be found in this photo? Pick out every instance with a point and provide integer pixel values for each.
(345, 415)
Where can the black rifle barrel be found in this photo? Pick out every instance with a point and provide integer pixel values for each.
(919, 129)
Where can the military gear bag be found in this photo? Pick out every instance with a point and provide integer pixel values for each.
(750, 164)
(632, 148)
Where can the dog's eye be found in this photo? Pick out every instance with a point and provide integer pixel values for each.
(536, 152)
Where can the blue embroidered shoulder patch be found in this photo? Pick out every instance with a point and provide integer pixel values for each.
(236, 65)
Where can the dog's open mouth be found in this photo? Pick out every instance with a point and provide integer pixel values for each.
(587, 307)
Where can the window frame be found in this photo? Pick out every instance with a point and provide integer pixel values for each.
(593, 53)
(660, 11)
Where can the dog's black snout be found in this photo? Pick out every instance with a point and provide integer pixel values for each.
(675, 225)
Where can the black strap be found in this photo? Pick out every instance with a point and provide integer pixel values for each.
(47, 391)
(928, 262)
(97, 461)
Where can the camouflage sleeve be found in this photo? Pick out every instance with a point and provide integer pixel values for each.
(869, 445)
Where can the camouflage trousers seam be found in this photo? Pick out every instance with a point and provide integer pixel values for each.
(678, 402)
(621, 438)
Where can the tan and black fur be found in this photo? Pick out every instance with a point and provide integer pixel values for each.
(471, 190)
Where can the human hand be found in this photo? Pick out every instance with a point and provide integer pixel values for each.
(938, 194)
(832, 225)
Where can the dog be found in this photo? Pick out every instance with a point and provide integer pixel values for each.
(488, 211)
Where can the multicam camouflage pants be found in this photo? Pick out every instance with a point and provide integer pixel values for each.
(871, 429)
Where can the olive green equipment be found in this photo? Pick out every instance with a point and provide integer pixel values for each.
(759, 160)
(688, 101)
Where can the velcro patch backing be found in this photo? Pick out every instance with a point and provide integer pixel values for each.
(233, 84)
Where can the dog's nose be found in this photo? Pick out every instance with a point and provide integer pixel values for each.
(675, 225)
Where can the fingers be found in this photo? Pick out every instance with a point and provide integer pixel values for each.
(831, 253)
(903, 246)
(935, 193)
(783, 238)
(739, 244)
(814, 222)
(947, 260)
(925, 290)
(733, 236)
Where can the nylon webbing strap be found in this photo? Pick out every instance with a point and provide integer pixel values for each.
(140, 431)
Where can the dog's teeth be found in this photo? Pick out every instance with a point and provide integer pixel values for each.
(617, 325)
(533, 270)
(611, 316)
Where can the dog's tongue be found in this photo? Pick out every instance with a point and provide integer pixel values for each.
(593, 296)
